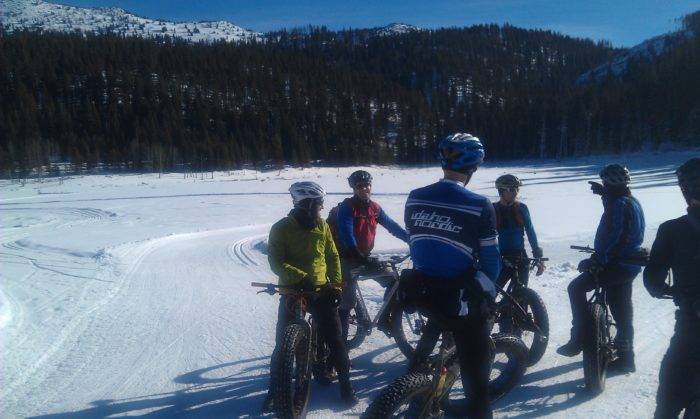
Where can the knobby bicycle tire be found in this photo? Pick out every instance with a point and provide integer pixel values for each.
(527, 297)
(362, 319)
(292, 390)
(595, 358)
(517, 355)
(402, 391)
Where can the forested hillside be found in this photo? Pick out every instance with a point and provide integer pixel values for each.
(341, 97)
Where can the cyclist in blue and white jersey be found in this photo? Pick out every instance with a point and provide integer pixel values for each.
(454, 247)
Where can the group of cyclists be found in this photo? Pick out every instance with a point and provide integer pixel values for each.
(457, 238)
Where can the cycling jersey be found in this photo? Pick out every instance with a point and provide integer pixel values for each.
(513, 222)
(451, 230)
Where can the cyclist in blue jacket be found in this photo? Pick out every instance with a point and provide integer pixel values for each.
(619, 235)
(513, 222)
(454, 247)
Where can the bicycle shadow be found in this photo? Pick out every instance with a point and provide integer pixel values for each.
(210, 392)
(370, 373)
(532, 400)
(236, 395)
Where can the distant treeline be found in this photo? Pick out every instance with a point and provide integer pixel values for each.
(340, 97)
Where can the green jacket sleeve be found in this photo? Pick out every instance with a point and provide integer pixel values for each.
(287, 273)
(332, 259)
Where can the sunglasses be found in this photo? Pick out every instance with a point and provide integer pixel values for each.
(363, 185)
(502, 190)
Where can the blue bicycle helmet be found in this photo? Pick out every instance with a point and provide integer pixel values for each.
(460, 152)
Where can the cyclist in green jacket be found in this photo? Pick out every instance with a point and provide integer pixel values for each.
(301, 252)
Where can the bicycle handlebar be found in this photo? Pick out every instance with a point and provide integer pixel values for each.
(640, 259)
(272, 289)
(395, 259)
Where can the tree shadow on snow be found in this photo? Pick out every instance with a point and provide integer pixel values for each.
(241, 394)
(532, 400)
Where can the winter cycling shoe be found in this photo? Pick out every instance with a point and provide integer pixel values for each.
(324, 375)
(571, 348)
(624, 364)
(347, 393)
(268, 404)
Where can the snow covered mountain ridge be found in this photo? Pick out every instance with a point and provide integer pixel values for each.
(649, 49)
(396, 29)
(44, 16)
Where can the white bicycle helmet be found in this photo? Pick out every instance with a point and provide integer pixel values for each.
(305, 190)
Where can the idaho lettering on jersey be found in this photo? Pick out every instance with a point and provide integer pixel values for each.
(434, 221)
(448, 227)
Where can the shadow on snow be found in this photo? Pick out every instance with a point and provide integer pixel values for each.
(241, 394)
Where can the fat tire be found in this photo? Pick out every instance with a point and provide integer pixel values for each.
(362, 319)
(397, 332)
(541, 319)
(517, 353)
(595, 362)
(517, 364)
(294, 344)
(397, 394)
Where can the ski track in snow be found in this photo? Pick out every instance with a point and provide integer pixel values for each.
(167, 325)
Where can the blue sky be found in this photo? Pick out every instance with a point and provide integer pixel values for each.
(623, 22)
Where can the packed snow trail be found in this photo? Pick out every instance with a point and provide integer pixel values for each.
(174, 314)
(130, 295)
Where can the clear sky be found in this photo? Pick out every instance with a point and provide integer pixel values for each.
(623, 22)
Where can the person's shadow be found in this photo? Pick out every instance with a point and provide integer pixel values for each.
(237, 395)
(241, 394)
(532, 400)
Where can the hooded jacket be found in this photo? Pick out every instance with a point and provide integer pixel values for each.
(295, 252)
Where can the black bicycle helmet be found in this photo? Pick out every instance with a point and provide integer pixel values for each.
(508, 181)
(615, 175)
(359, 177)
(689, 177)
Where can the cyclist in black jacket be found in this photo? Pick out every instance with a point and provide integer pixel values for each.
(677, 247)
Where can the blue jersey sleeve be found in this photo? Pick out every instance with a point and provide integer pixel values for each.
(530, 231)
(615, 234)
(346, 233)
(489, 256)
(392, 226)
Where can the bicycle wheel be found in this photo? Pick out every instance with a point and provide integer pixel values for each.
(535, 341)
(358, 324)
(291, 382)
(406, 328)
(507, 369)
(595, 356)
(401, 399)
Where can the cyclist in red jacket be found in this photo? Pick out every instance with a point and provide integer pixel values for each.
(354, 224)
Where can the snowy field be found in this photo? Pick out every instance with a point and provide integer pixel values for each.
(129, 295)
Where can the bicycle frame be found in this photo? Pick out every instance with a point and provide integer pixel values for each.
(514, 284)
(389, 295)
(299, 317)
(445, 373)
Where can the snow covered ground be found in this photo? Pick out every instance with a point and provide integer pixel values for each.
(129, 294)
